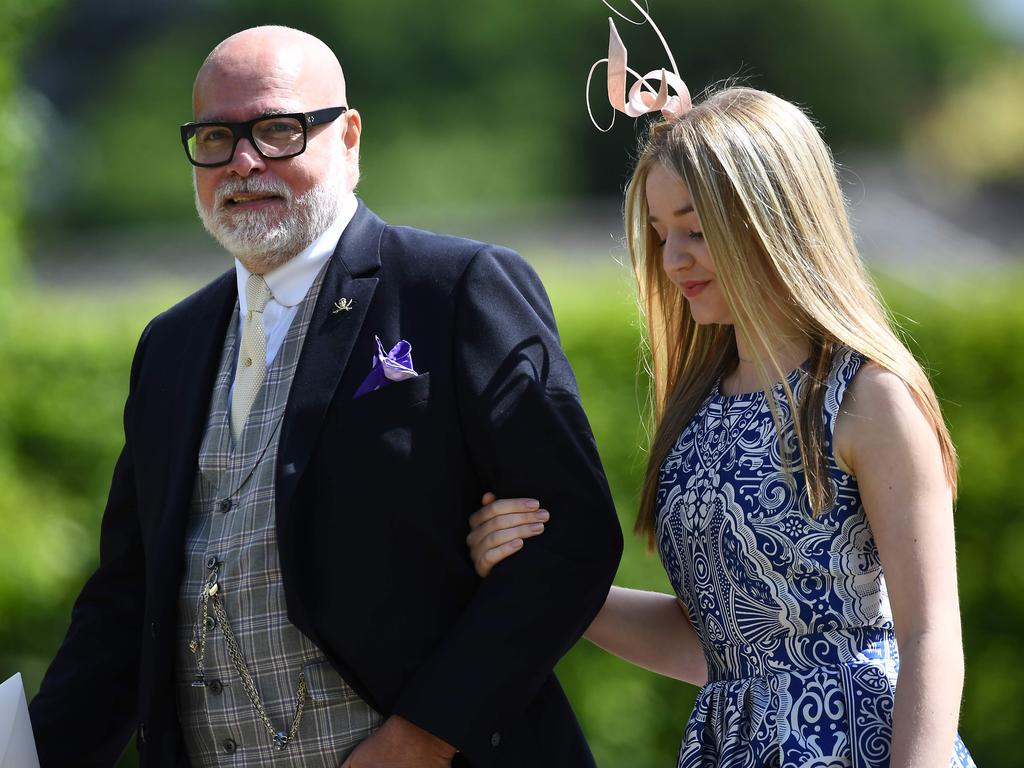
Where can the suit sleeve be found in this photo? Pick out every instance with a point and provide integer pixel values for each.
(525, 428)
(86, 708)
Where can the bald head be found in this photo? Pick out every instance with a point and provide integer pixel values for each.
(284, 61)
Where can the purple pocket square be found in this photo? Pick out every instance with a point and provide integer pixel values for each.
(395, 365)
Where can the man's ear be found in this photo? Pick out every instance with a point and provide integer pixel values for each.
(353, 129)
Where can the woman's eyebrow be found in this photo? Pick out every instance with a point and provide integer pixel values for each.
(681, 212)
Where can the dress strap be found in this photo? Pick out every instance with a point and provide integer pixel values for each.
(845, 365)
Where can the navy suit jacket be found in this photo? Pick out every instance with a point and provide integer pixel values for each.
(373, 495)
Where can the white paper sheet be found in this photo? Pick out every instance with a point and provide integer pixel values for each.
(17, 745)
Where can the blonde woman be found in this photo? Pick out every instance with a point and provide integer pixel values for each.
(801, 478)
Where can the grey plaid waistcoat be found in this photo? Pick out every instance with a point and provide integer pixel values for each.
(232, 520)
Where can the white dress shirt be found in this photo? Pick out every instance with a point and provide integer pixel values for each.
(290, 282)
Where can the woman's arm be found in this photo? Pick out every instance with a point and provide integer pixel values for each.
(883, 438)
(651, 630)
(648, 629)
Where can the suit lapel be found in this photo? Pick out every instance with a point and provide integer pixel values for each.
(337, 319)
(197, 369)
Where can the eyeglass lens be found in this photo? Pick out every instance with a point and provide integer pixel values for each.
(274, 137)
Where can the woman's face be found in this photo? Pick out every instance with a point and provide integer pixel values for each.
(684, 254)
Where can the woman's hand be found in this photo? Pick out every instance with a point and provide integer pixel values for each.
(498, 529)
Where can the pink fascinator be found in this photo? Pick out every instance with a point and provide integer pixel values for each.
(642, 97)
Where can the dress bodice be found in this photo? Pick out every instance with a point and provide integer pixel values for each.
(737, 535)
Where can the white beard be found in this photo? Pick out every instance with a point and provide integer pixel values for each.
(263, 240)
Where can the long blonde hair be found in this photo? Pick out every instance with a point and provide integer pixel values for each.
(764, 186)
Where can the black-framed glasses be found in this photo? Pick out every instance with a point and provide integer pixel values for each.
(275, 137)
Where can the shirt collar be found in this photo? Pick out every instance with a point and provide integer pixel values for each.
(290, 282)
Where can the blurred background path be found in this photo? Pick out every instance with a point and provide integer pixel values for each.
(908, 226)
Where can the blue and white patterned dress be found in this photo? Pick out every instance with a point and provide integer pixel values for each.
(791, 610)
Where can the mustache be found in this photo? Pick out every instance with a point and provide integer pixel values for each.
(251, 185)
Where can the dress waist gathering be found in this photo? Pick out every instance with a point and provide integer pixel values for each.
(801, 653)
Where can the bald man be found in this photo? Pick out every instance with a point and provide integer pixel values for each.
(283, 573)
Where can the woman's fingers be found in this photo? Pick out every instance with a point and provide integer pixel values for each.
(499, 528)
(502, 536)
(495, 547)
(496, 507)
(483, 532)
(494, 556)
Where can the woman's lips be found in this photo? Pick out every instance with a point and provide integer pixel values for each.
(693, 288)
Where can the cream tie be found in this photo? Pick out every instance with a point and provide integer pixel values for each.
(252, 359)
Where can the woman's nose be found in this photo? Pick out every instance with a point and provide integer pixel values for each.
(674, 257)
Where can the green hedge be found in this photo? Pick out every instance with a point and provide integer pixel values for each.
(66, 365)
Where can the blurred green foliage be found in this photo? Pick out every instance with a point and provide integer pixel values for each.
(69, 356)
(976, 131)
(18, 21)
(466, 101)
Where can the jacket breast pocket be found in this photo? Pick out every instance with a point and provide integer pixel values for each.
(386, 425)
(389, 405)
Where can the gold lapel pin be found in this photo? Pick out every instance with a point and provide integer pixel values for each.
(342, 305)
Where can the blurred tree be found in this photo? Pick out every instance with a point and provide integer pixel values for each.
(468, 101)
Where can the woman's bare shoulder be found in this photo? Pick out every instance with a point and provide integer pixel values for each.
(878, 407)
